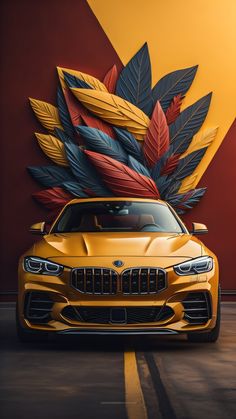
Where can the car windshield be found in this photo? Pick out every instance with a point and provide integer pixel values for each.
(116, 216)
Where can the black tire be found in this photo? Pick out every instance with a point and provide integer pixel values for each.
(207, 337)
(28, 336)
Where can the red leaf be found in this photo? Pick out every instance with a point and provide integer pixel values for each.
(74, 107)
(54, 198)
(122, 180)
(156, 141)
(174, 109)
(170, 164)
(110, 79)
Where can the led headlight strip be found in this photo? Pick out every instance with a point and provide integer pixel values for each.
(41, 266)
(194, 266)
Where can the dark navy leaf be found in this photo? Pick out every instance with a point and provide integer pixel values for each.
(138, 167)
(188, 123)
(173, 84)
(183, 202)
(75, 189)
(84, 172)
(162, 183)
(50, 176)
(188, 164)
(100, 142)
(129, 143)
(157, 168)
(63, 136)
(63, 113)
(172, 189)
(134, 82)
(73, 81)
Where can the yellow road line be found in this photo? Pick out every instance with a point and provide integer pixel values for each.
(134, 399)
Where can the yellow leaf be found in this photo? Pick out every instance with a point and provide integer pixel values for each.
(46, 113)
(53, 148)
(94, 83)
(188, 183)
(115, 110)
(202, 139)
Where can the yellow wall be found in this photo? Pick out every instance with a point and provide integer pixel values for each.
(181, 33)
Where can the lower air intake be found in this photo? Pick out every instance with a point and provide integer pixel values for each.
(197, 307)
(117, 315)
(37, 307)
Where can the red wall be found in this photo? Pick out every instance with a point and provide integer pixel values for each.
(36, 37)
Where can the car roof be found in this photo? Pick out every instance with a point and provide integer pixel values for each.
(112, 198)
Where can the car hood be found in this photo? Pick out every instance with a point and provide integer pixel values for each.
(69, 245)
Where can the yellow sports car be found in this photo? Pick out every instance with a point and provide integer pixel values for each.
(118, 266)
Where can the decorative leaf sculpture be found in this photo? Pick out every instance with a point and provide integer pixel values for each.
(62, 135)
(129, 143)
(187, 164)
(156, 141)
(73, 81)
(174, 109)
(93, 137)
(110, 79)
(54, 198)
(200, 140)
(53, 148)
(74, 189)
(134, 82)
(50, 176)
(189, 122)
(114, 110)
(87, 78)
(46, 113)
(97, 140)
(182, 202)
(138, 167)
(173, 84)
(64, 113)
(122, 180)
(84, 172)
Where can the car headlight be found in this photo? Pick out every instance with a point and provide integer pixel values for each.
(41, 266)
(194, 266)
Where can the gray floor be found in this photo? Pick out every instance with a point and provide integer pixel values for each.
(84, 378)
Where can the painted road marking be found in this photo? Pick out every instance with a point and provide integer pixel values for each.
(134, 400)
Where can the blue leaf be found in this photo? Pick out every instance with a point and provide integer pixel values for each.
(63, 113)
(173, 84)
(162, 183)
(75, 189)
(156, 170)
(73, 81)
(84, 172)
(188, 164)
(138, 167)
(134, 82)
(63, 136)
(182, 202)
(188, 123)
(100, 142)
(50, 176)
(129, 143)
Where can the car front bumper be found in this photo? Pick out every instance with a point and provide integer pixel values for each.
(63, 295)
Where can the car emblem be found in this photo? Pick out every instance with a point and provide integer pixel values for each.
(118, 263)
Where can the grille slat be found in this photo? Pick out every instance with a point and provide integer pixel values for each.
(197, 307)
(134, 281)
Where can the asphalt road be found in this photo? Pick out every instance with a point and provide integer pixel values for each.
(121, 378)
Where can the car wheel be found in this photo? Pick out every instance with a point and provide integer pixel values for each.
(28, 336)
(211, 336)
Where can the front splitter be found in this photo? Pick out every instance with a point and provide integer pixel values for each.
(117, 332)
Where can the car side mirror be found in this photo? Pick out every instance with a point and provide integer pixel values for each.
(38, 228)
(199, 228)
